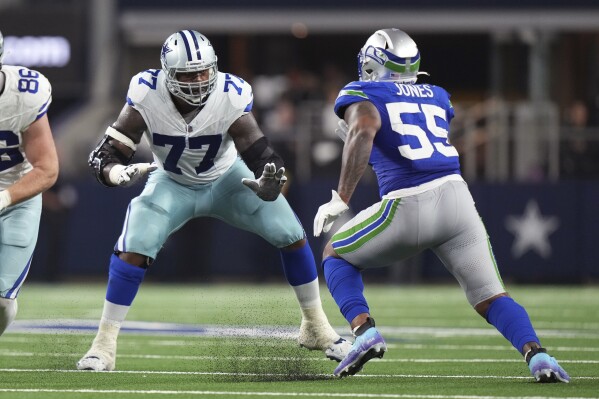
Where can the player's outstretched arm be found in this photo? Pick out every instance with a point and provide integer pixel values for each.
(363, 121)
(40, 150)
(110, 159)
(258, 155)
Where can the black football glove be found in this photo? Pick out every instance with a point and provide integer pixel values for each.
(268, 186)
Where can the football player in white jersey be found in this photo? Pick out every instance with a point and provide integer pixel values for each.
(210, 159)
(28, 166)
(400, 128)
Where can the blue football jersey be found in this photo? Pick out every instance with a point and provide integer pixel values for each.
(411, 148)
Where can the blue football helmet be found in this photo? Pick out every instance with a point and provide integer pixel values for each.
(389, 55)
(184, 52)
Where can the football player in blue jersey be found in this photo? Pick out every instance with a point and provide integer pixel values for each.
(28, 166)
(401, 128)
(210, 159)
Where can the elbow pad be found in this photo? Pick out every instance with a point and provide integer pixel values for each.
(259, 154)
(114, 147)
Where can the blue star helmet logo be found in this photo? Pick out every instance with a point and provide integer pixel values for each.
(165, 50)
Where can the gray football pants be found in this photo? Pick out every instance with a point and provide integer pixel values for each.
(443, 219)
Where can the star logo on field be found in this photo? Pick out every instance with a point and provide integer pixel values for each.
(531, 231)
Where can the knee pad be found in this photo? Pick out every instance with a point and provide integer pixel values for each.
(8, 312)
(148, 230)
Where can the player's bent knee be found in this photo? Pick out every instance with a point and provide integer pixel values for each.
(329, 251)
(285, 238)
(8, 312)
(149, 236)
(483, 307)
(135, 259)
(296, 245)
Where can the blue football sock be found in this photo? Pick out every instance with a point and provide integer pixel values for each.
(123, 281)
(512, 321)
(299, 265)
(346, 287)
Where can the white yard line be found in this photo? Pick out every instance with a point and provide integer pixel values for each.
(16, 353)
(282, 394)
(154, 372)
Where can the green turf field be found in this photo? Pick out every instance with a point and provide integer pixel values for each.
(438, 346)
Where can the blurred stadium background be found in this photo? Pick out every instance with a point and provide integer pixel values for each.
(524, 78)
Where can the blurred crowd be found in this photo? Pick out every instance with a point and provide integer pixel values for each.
(579, 150)
(295, 110)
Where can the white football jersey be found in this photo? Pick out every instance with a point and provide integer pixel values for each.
(200, 151)
(26, 97)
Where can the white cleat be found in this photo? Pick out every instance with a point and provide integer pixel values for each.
(102, 354)
(338, 350)
(321, 336)
(96, 361)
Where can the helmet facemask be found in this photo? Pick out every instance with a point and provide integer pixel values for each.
(189, 52)
(389, 55)
(194, 93)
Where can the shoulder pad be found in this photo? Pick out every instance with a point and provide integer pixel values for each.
(351, 93)
(440, 93)
(239, 92)
(353, 89)
(141, 84)
(40, 96)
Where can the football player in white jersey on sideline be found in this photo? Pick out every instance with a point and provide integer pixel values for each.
(28, 166)
(197, 120)
(401, 129)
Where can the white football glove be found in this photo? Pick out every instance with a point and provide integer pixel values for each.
(268, 186)
(342, 129)
(126, 175)
(5, 200)
(328, 213)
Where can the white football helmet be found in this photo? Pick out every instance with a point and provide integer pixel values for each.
(389, 55)
(189, 51)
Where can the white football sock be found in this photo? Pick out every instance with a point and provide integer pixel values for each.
(114, 312)
(308, 295)
(113, 316)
